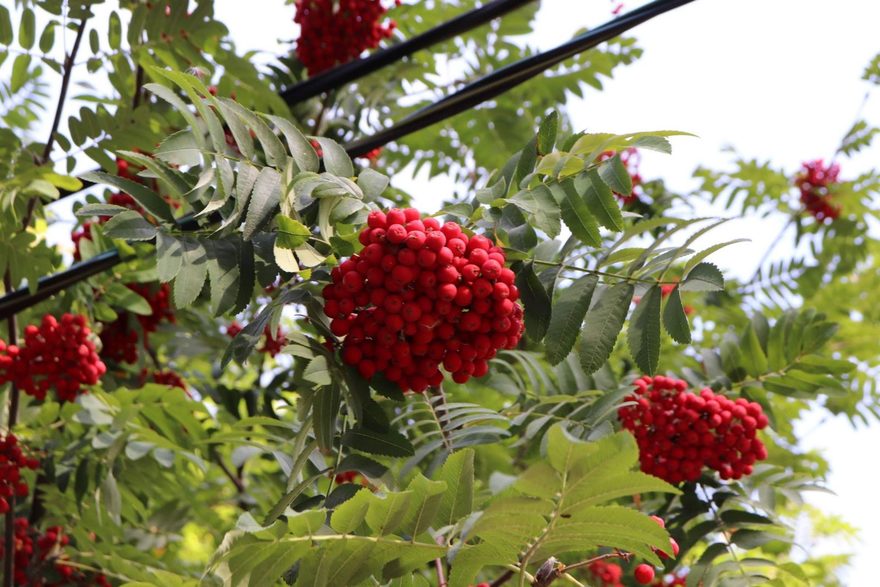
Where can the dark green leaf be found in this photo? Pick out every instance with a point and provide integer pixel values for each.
(5, 26)
(223, 270)
(644, 331)
(674, 318)
(391, 444)
(264, 199)
(601, 201)
(150, 200)
(577, 217)
(324, 412)
(131, 226)
(193, 272)
(615, 175)
(169, 256)
(567, 317)
(536, 301)
(363, 465)
(602, 325)
(703, 277)
(547, 133)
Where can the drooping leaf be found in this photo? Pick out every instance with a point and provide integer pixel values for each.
(536, 301)
(390, 443)
(644, 331)
(675, 319)
(602, 325)
(567, 317)
(130, 225)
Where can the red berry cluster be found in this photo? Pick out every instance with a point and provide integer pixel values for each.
(372, 154)
(631, 159)
(39, 560)
(350, 477)
(680, 432)
(337, 31)
(272, 343)
(12, 460)
(814, 183)
(421, 295)
(57, 355)
(119, 339)
(169, 378)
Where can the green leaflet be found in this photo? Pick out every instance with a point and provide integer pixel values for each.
(536, 301)
(602, 325)
(567, 317)
(644, 331)
(674, 318)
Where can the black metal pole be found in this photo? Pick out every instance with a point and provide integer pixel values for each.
(348, 72)
(21, 299)
(510, 76)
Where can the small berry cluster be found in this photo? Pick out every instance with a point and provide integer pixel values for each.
(421, 295)
(350, 477)
(814, 183)
(39, 560)
(119, 339)
(631, 159)
(59, 355)
(607, 574)
(679, 432)
(272, 343)
(169, 378)
(337, 31)
(12, 460)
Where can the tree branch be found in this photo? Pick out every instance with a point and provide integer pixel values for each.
(138, 83)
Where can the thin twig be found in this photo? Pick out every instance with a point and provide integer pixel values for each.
(59, 108)
(239, 484)
(138, 83)
(504, 578)
(438, 566)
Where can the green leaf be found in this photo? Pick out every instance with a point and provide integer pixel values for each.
(693, 261)
(703, 277)
(391, 444)
(19, 72)
(536, 300)
(6, 34)
(547, 133)
(615, 175)
(125, 298)
(324, 411)
(169, 257)
(387, 513)
(224, 272)
(363, 465)
(351, 514)
(265, 197)
(567, 317)
(318, 372)
(100, 210)
(131, 226)
(675, 320)
(372, 183)
(458, 500)
(601, 201)
(602, 325)
(300, 148)
(291, 233)
(577, 217)
(754, 359)
(193, 272)
(47, 38)
(427, 498)
(288, 498)
(150, 200)
(644, 331)
(27, 29)
(114, 30)
(336, 160)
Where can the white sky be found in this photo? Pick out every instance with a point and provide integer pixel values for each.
(774, 79)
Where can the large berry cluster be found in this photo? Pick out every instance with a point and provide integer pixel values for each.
(119, 339)
(680, 432)
(631, 159)
(12, 460)
(814, 183)
(57, 355)
(39, 560)
(421, 295)
(337, 31)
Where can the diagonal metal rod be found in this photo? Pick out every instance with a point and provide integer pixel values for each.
(348, 72)
(475, 93)
(353, 70)
(508, 77)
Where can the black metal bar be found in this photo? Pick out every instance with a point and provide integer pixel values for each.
(510, 76)
(475, 93)
(348, 72)
(21, 299)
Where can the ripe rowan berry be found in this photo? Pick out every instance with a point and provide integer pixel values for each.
(643, 574)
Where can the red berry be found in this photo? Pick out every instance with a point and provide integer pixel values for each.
(643, 574)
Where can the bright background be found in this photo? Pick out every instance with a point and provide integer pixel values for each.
(774, 80)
